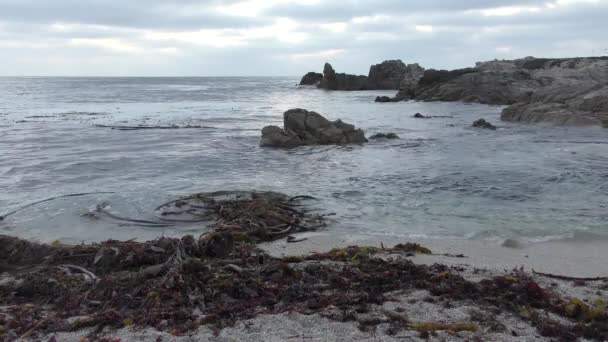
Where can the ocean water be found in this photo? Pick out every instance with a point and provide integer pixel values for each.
(442, 179)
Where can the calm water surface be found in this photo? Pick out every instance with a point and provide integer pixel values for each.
(441, 179)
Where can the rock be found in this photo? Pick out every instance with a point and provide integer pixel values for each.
(384, 136)
(560, 91)
(419, 116)
(413, 74)
(334, 81)
(386, 75)
(482, 123)
(312, 78)
(385, 99)
(302, 127)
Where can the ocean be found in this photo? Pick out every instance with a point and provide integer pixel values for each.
(442, 179)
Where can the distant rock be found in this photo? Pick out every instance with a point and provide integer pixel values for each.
(386, 99)
(384, 136)
(419, 116)
(482, 123)
(302, 127)
(312, 78)
(334, 81)
(386, 75)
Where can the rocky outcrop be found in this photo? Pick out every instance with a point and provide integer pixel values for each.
(386, 75)
(334, 81)
(482, 123)
(566, 91)
(413, 74)
(302, 127)
(312, 78)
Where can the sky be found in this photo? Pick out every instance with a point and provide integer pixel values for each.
(286, 37)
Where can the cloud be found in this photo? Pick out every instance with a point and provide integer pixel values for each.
(286, 37)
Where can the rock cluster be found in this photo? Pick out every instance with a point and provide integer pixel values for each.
(388, 75)
(562, 91)
(302, 127)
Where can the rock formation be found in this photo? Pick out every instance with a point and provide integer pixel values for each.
(386, 75)
(566, 91)
(302, 127)
(312, 78)
(393, 74)
(413, 74)
(334, 81)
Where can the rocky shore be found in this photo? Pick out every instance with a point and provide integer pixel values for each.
(558, 91)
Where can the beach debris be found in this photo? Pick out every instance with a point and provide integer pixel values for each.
(221, 277)
(561, 277)
(218, 279)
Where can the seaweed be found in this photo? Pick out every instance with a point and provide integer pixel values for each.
(221, 277)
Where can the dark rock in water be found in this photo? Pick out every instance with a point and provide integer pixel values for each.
(384, 136)
(334, 81)
(302, 127)
(312, 78)
(386, 75)
(419, 116)
(385, 99)
(482, 123)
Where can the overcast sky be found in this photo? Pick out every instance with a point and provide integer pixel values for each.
(286, 37)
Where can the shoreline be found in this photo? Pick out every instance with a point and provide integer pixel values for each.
(572, 259)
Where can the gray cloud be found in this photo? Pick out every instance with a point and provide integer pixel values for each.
(188, 37)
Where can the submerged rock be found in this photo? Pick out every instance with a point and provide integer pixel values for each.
(482, 123)
(385, 99)
(302, 127)
(384, 136)
(312, 78)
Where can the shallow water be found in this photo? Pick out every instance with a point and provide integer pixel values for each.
(441, 179)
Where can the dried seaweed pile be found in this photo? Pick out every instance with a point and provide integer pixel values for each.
(177, 285)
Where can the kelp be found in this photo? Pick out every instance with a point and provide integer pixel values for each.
(221, 277)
